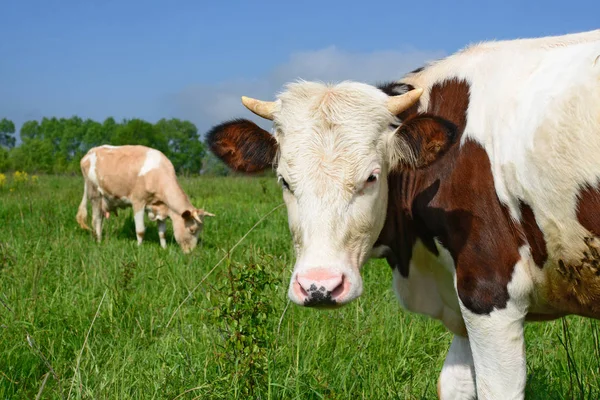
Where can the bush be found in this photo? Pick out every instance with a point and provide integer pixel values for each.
(242, 313)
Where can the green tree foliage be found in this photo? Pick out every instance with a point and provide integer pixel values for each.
(4, 161)
(137, 131)
(56, 145)
(7, 130)
(184, 144)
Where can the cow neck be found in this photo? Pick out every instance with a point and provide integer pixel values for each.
(412, 212)
(175, 198)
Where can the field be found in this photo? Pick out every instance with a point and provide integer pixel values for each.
(118, 321)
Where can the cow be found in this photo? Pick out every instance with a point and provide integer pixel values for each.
(476, 177)
(144, 179)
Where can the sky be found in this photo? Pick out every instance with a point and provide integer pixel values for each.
(194, 59)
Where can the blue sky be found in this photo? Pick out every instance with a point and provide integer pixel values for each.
(194, 59)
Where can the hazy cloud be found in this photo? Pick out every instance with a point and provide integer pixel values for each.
(206, 105)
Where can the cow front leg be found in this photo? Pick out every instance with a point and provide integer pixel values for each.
(162, 228)
(494, 315)
(138, 217)
(457, 379)
(97, 217)
(498, 347)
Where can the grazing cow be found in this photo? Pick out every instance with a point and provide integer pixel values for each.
(142, 178)
(477, 178)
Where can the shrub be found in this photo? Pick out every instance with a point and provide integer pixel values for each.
(242, 314)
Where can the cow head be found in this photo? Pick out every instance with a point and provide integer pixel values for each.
(187, 227)
(333, 147)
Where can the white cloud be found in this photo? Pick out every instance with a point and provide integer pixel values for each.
(206, 105)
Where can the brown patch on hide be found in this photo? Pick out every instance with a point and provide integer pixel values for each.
(534, 235)
(588, 209)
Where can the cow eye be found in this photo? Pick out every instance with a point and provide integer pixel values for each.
(284, 184)
(371, 178)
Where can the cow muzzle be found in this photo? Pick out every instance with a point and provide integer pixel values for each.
(320, 287)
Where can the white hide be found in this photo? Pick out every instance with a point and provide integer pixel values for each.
(152, 161)
(92, 176)
(429, 287)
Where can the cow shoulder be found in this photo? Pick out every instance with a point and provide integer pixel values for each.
(455, 202)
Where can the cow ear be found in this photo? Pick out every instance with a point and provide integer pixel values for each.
(421, 140)
(243, 145)
(187, 215)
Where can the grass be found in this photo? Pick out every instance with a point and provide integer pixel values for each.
(82, 320)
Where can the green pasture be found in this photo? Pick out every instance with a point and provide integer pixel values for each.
(117, 321)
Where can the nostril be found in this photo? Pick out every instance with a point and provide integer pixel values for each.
(302, 290)
(339, 289)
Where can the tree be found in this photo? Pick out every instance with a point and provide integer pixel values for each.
(30, 130)
(4, 161)
(137, 131)
(34, 155)
(185, 150)
(56, 145)
(7, 130)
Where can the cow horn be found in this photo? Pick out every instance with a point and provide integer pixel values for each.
(397, 104)
(261, 108)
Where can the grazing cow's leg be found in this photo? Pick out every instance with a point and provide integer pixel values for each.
(82, 211)
(162, 228)
(457, 379)
(138, 217)
(497, 339)
(97, 217)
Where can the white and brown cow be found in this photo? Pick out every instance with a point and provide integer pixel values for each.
(141, 178)
(482, 193)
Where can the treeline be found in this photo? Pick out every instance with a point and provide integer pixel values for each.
(55, 145)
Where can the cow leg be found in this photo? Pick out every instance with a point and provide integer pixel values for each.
(497, 338)
(97, 217)
(162, 228)
(498, 347)
(457, 379)
(138, 217)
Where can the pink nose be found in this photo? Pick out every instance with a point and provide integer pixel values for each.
(319, 286)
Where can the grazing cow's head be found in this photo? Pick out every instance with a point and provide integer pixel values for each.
(187, 227)
(332, 147)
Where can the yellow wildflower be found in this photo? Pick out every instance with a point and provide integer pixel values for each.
(20, 177)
